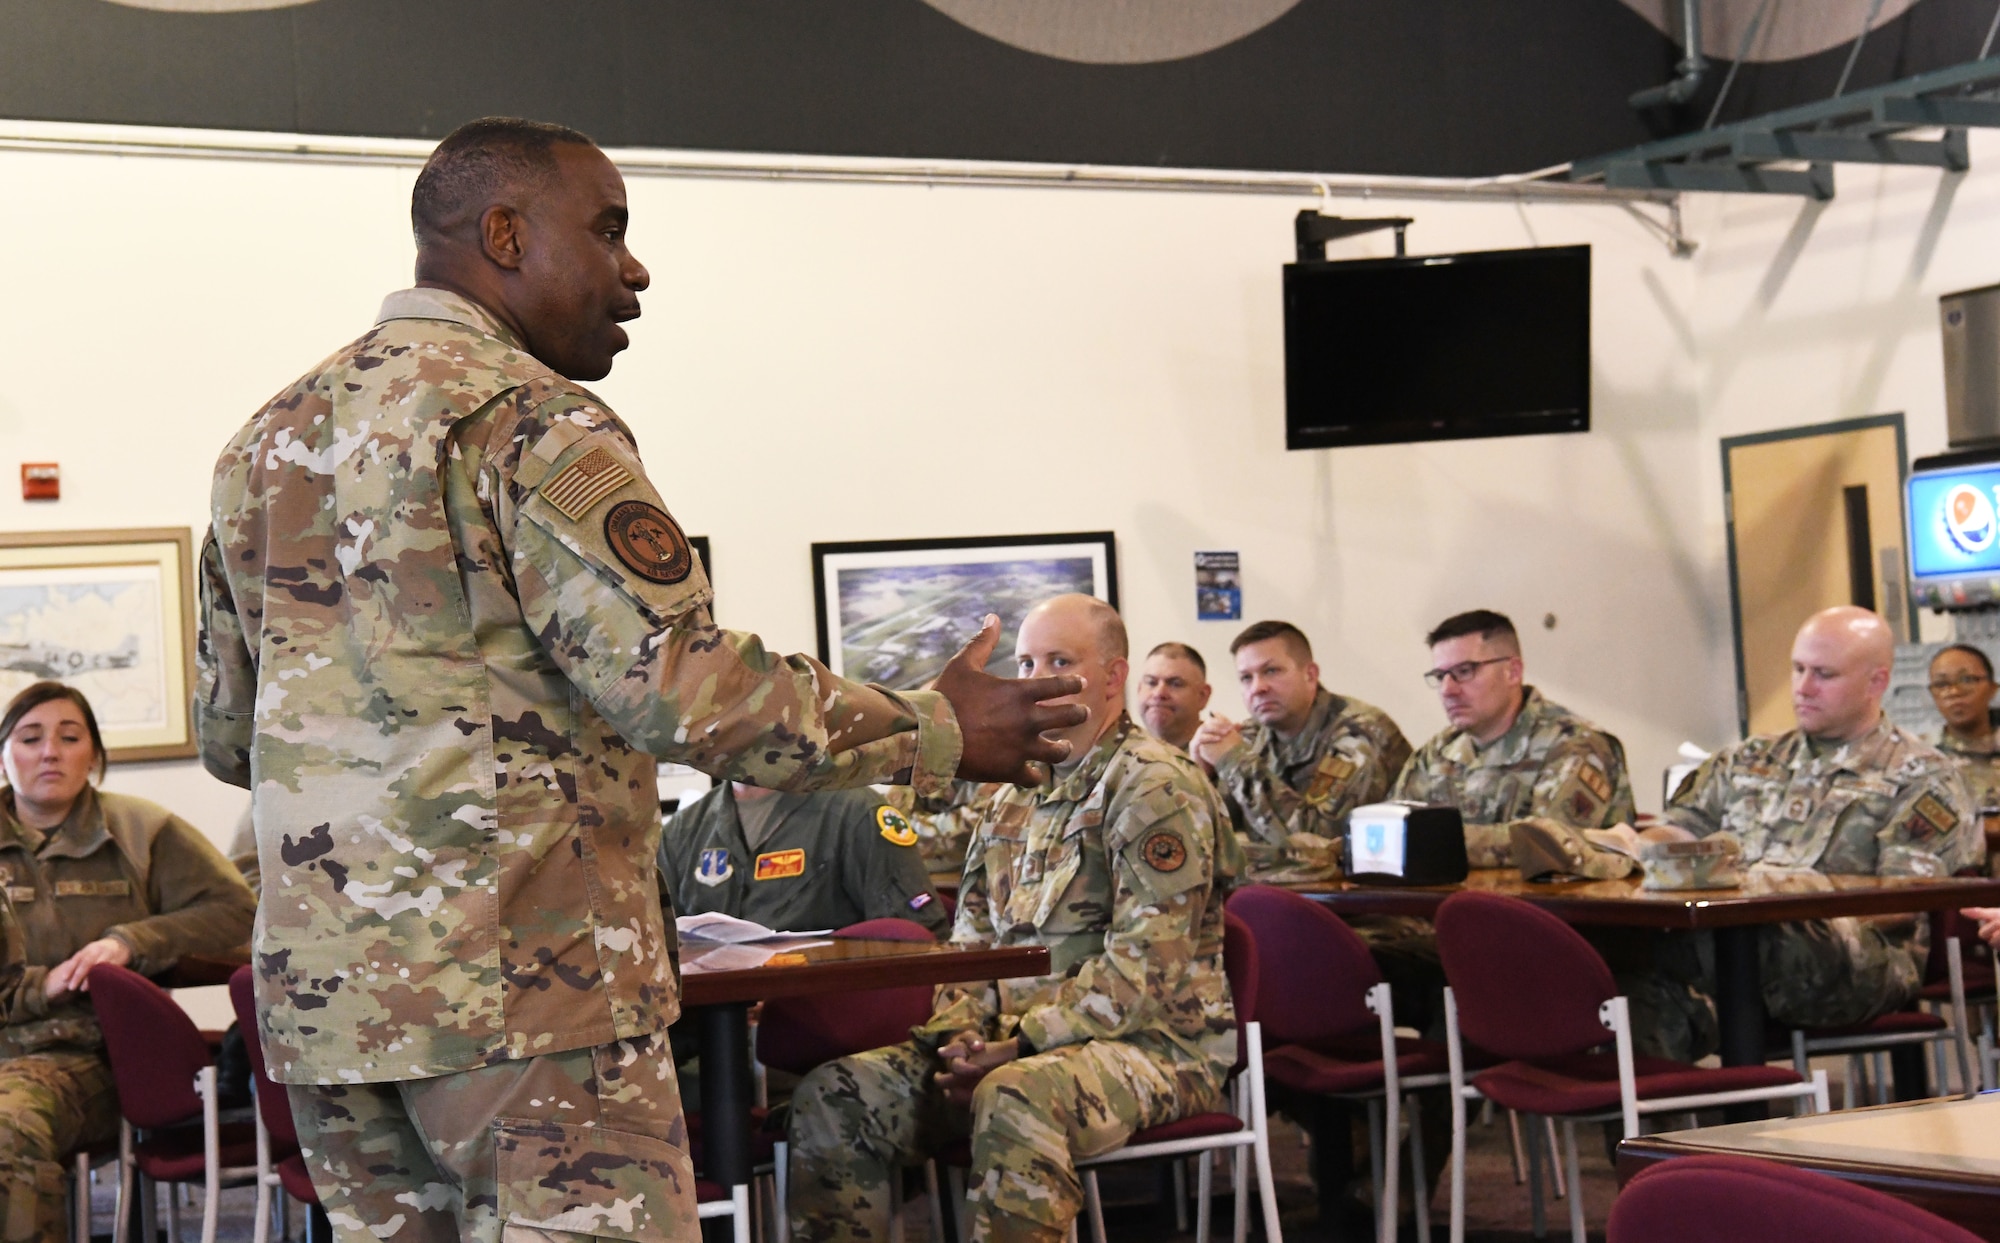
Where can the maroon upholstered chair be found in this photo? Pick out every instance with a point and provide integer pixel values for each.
(1524, 986)
(280, 1165)
(1338, 1038)
(165, 1072)
(1719, 1199)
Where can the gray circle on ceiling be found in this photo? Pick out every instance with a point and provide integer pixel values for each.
(1791, 28)
(1115, 32)
(209, 6)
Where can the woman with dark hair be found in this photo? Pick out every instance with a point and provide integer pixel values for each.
(1962, 687)
(86, 877)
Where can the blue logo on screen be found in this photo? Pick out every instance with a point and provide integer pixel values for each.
(1955, 523)
(1376, 837)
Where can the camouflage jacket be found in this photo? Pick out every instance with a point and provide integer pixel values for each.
(1345, 756)
(447, 625)
(1980, 766)
(1550, 762)
(1885, 804)
(118, 867)
(944, 822)
(1115, 869)
(831, 859)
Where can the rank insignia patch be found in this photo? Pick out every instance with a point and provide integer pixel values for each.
(648, 541)
(1331, 772)
(1599, 784)
(584, 482)
(895, 830)
(1164, 852)
(1935, 813)
(780, 864)
(714, 867)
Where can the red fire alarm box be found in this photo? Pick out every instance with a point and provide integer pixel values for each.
(41, 481)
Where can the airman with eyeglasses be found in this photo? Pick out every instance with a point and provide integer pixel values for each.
(1962, 687)
(1509, 755)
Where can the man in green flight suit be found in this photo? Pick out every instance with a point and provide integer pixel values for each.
(448, 628)
(1119, 868)
(797, 862)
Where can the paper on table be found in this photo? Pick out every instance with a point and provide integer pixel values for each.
(729, 930)
(744, 957)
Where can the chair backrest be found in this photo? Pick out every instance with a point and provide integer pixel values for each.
(273, 1104)
(1526, 983)
(1241, 964)
(1978, 966)
(1720, 1199)
(153, 1046)
(1296, 932)
(796, 1034)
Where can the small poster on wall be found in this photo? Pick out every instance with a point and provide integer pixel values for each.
(1218, 587)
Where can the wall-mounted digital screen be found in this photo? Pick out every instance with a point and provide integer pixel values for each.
(1954, 519)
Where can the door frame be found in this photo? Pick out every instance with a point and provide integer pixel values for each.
(1728, 443)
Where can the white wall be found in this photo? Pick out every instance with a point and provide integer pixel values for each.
(827, 362)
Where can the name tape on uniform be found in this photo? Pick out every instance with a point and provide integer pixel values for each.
(780, 864)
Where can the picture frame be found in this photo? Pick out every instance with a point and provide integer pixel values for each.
(895, 611)
(112, 614)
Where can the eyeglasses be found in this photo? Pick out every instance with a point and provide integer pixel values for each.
(1460, 673)
(1939, 686)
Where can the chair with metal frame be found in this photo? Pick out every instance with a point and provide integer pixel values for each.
(1523, 985)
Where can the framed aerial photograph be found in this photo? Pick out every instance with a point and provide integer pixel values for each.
(112, 614)
(894, 611)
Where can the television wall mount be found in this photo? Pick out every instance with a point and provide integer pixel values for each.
(1313, 231)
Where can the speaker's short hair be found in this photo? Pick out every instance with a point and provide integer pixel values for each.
(1257, 632)
(1181, 651)
(483, 160)
(1493, 627)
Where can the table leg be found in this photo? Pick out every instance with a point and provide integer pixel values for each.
(1739, 1008)
(725, 1092)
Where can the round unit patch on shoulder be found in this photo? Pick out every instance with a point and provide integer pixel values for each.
(648, 541)
(895, 829)
(1164, 852)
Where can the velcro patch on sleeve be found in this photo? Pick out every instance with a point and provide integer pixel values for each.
(895, 830)
(1331, 772)
(583, 483)
(1599, 784)
(1164, 852)
(1932, 810)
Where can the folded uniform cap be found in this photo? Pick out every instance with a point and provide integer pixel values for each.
(1705, 863)
(1544, 847)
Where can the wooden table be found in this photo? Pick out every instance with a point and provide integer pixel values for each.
(719, 998)
(1943, 1156)
(1732, 914)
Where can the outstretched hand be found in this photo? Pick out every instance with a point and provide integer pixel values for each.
(1003, 719)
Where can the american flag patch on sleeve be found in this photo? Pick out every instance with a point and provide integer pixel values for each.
(584, 482)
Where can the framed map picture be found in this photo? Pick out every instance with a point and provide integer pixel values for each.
(112, 614)
(894, 611)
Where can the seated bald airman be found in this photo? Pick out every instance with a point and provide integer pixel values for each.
(1847, 792)
(1114, 867)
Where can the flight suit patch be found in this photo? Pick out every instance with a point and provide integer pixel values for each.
(1164, 852)
(93, 888)
(713, 868)
(584, 482)
(1331, 772)
(919, 902)
(780, 864)
(648, 542)
(895, 830)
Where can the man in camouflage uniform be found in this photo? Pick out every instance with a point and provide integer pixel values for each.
(1115, 869)
(447, 627)
(1847, 792)
(1309, 757)
(796, 862)
(1173, 691)
(1509, 754)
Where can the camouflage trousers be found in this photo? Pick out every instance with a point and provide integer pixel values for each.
(51, 1103)
(857, 1121)
(1816, 973)
(565, 1146)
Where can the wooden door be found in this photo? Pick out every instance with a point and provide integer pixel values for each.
(1815, 519)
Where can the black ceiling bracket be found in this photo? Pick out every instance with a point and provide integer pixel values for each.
(1313, 231)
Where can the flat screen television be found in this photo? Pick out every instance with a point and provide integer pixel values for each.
(1951, 502)
(1437, 347)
